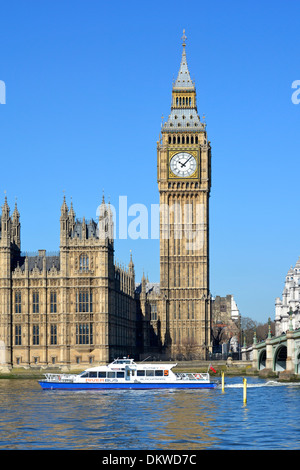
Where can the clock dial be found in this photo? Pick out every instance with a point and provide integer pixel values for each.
(183, 164)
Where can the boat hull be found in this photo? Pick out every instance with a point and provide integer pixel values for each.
(123, 386)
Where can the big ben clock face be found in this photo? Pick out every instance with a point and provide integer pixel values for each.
(183, 164)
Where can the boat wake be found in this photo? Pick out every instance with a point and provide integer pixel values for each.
(270, 383)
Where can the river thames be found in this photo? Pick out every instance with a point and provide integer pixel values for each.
(32, 419)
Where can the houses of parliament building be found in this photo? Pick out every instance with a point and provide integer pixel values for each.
(79, 307)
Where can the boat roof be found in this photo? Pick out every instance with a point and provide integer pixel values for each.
(122, 363)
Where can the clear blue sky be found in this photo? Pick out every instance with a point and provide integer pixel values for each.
(86, 85)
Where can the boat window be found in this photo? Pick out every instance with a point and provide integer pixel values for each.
(159, 373)
(120, 375)
(111, 375)
(150, 373)
(92, 374)
(102, 375)
(84, 374)
(140, 373)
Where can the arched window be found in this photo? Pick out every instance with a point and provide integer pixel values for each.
(84, 301)
(35, 302)
(18, 303)
(83, 263)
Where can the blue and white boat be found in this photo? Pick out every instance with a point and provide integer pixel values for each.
(126, 374)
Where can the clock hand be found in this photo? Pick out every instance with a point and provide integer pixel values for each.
(183, 164)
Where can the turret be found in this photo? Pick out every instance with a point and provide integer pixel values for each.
(16, 239)
(64, 222)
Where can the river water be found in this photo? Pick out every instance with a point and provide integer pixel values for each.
(32, 419)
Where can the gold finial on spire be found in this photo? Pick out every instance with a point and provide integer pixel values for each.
(183, 38)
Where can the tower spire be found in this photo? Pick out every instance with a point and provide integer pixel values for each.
(183, 38)
(183, 80)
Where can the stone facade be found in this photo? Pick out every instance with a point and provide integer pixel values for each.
(76, 307)
(226, 322)
(290, 302)
(184, 181)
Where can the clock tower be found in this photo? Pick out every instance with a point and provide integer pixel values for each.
(184, 181)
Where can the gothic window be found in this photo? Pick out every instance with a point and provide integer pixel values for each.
(84, 333)
(187, 139)
(84, 301)
(35, 335)
(18, 336)
(192, 140)
(53, 308)
(83, 263)
(18, 308)
(53, 334)
(153, 310)
(35, 302)
(174, 140)
(196, 140)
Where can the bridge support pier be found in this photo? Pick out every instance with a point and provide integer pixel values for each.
(269, 354)
(290, 365)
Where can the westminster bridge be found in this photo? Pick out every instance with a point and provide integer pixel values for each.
(279, 354)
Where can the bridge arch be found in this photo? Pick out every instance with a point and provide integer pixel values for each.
(297, 365)
(262, 360)
(280, 358)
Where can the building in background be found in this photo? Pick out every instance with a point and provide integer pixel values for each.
(288, 308)
(75, 307)
(226, 326)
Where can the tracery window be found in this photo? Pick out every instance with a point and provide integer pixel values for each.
(84, 301)
(35, 302)
(84, 333)
(18, 308)
(18, 336)
(53, 334)
(53, 308)
(35, 335)
(83, 263)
